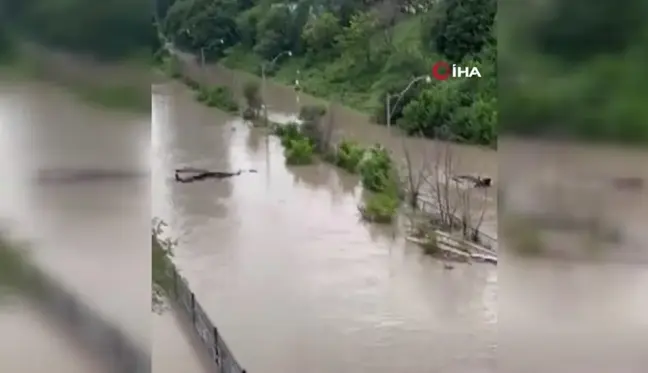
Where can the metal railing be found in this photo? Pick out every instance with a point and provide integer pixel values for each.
(208, 334)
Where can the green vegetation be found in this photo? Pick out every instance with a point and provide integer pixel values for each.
(378, 177)
(112, 30)
(298, 148)
(358, 51)
(377, 170)
(348, 156)
(299, 152)
(162, 252)
(375, 166)
(218, 96)
(568, 75)
(379, 208)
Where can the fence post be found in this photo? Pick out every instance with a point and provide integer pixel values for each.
(175, 282)
(193, 308)
(217, 352)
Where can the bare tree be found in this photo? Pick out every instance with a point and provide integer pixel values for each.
(414, 179)
(441, 186)
(469, 229)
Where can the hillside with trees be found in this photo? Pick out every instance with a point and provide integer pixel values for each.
(109, 30)
(574, 69)
(356, 52)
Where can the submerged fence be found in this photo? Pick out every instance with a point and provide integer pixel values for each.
(214, 344)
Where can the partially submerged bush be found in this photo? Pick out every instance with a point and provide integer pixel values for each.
(218, 96)
(376, 169)
(348, 155)
(288, 132)
(299, 151)
(380, 208)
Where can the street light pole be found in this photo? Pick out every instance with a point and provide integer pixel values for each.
(389, 108)
(263, 83)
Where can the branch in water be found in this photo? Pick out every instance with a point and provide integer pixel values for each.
(202, 174)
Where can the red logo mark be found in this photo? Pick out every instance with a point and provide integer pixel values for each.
(441, 70)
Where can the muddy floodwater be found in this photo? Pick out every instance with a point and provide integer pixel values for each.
(283, 266)
(92, 236)
(296, 283)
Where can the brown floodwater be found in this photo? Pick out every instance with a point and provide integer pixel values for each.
(296, 283)
(291, 277)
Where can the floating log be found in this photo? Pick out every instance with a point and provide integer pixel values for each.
(202, 174)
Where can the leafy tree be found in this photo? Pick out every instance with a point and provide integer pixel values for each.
(274, 31)
(246, 23)
(320, 32)
(459, 28)
(108, 29)
(353, 41)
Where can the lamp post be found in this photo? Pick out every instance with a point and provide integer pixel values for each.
(297, 89)
(263, 82)
(399, 96)
(265, 108)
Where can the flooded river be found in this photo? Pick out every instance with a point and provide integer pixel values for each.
(296, 283)
(290, 276)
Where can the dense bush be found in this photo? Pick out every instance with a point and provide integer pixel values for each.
(376, 169)
(298, 149)
(348, 155)
(379, 208)
(299, 152)
(288, 132)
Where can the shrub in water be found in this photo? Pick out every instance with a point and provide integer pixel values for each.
(299, 152)
(376, 169)
(288, 132)
(380, 208)
(349, 155)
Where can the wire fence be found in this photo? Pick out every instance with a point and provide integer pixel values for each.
(473, 233)
(203, 326)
